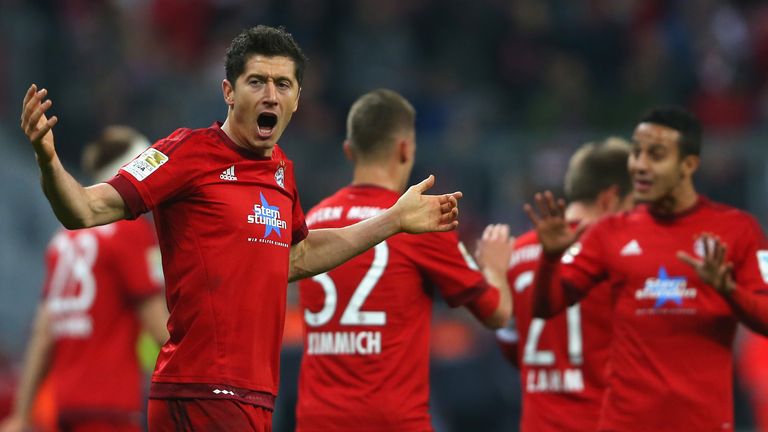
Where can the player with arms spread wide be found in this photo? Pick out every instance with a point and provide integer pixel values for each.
(231, 232)
(102, 286)
(684, 272)
(366, 339)
(562, 360)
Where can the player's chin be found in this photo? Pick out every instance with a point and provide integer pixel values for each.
(644, 195)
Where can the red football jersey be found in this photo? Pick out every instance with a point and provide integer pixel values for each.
(563, 359)
(95, 279)
(366, 339)
(670, 363)
(226, 220)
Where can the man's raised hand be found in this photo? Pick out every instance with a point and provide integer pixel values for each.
(555, 234)
(37, 126)
(494, 249)
(712, 267)
(419, 213)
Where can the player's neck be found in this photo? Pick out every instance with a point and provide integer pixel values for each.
(682, 199)
(578, 211)
(377, 176)
(241, 140)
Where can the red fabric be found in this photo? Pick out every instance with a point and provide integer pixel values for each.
(226, 220)
(209, 415)
(95, 277)
(366, 361)
(162, 390)
(671, 359)
(101, 426)
(754, 376)
(485, 304)
(751, 308)
(562, 360)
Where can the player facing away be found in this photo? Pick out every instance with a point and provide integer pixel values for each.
(562, 360)
(365, 364)
(102, 286)
(232, 234)
(683, 272)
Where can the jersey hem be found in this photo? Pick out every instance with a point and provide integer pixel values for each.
(164, 390)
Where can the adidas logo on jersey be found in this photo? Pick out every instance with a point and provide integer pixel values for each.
(631, 248)
(228, 174)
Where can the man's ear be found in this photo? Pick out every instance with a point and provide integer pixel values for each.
(228, 90)
(690, 164)
(608, 200)
(348, 151)
(298, 96)
(404, 151)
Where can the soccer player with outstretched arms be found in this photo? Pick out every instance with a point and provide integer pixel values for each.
(684, 271)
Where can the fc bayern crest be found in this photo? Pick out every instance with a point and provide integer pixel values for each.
(280, 177)
(698, 246)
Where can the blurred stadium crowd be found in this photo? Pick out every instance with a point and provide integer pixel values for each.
(504, 89)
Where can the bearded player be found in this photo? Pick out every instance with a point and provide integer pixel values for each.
(684, 272)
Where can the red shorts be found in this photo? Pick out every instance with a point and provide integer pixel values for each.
(176, 415)
(99, 426)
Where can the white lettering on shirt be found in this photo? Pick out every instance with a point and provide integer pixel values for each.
(364, 212)
(568, 380)
(325, 214)
(360, 343)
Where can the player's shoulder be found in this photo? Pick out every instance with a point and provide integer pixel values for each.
(527, 238)
(621, 219)
(729, 215)
(724, 210)
(279, 154)
(527, 250)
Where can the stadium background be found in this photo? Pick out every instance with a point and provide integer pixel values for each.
(505, 90)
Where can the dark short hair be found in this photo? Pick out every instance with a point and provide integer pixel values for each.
(595, 167)
(374, 120)
(115, 144)
(267, 41)
(680, 120)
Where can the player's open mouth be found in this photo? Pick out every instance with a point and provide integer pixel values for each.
(266, 123)
(643, 185)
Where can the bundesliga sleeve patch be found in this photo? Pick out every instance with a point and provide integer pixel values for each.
(762, 262)
(147, 163)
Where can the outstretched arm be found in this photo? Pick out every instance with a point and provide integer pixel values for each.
(414, 213)
(493, 254)
(550, 295)
(74, 205)
(153, 315)
(35, 368)
(750, 307)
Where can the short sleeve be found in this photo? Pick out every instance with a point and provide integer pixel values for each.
(445, 261)
(583, 264)
(162, 172)
(751, 258)
(299, 222)
(138, 261)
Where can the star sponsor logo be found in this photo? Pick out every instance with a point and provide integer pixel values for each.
(666, 289)
(269, 216)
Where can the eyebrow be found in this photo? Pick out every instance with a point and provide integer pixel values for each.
(266, 77)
